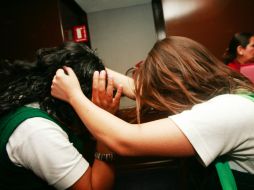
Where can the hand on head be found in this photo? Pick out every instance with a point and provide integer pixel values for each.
(103, 95)
(65, 84)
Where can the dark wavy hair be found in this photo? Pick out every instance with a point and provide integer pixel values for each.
(239, 39)
(23, 82)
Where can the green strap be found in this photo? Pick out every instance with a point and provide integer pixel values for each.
(249, 96)
(225, 174)
(10, 121)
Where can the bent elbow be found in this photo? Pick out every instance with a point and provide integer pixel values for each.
(123, 147)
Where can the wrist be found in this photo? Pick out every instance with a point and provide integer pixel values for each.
(103, 153)
(105, 157)
(76, 96)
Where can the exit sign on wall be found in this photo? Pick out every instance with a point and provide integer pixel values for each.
(80, 33)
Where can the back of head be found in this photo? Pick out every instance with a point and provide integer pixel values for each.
(239, 39)
(180, 72)
(31, 82)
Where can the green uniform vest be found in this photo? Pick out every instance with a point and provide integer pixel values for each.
(225, 174)
(19, 178)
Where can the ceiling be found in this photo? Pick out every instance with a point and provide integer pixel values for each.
(99, 5)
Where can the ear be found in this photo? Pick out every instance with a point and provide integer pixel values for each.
(240, 50)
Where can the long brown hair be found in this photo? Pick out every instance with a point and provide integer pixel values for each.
(179, 73)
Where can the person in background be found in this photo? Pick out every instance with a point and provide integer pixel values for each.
(41, 138)
(200, 94)
(240, 50)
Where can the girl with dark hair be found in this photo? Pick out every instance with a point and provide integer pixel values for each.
(41, 138)
(240, 50)
(201, 96)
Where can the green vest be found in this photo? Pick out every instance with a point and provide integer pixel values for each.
(19, 178)
(225, 174)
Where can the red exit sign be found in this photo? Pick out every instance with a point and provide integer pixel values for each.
(80, 33)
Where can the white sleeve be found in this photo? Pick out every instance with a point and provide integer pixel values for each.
(42, 146)
(221, 125)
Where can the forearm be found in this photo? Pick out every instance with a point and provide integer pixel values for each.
(129, 139)
(103, 173)
(100, 176)
(125, 81)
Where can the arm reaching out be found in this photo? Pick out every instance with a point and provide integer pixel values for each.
(159, 137)
(126, 82)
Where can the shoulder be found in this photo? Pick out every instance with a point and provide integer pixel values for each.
(232, 103)
(38, 125)
(35, 133)
(235, 66)
(221, 111)
(37, 144)
(217, 126)
(225, 102)
(227, 112)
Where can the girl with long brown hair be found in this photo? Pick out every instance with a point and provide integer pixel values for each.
(209, 106)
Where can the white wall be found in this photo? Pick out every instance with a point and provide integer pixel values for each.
(122, 37)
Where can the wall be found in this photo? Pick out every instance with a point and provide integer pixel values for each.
(211, 22)
(28, 25)
(72, 15)
(122, 36)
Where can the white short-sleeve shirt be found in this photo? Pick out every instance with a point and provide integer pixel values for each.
(222, 125)
(40, 145)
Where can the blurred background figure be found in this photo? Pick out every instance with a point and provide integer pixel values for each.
(240, 50)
